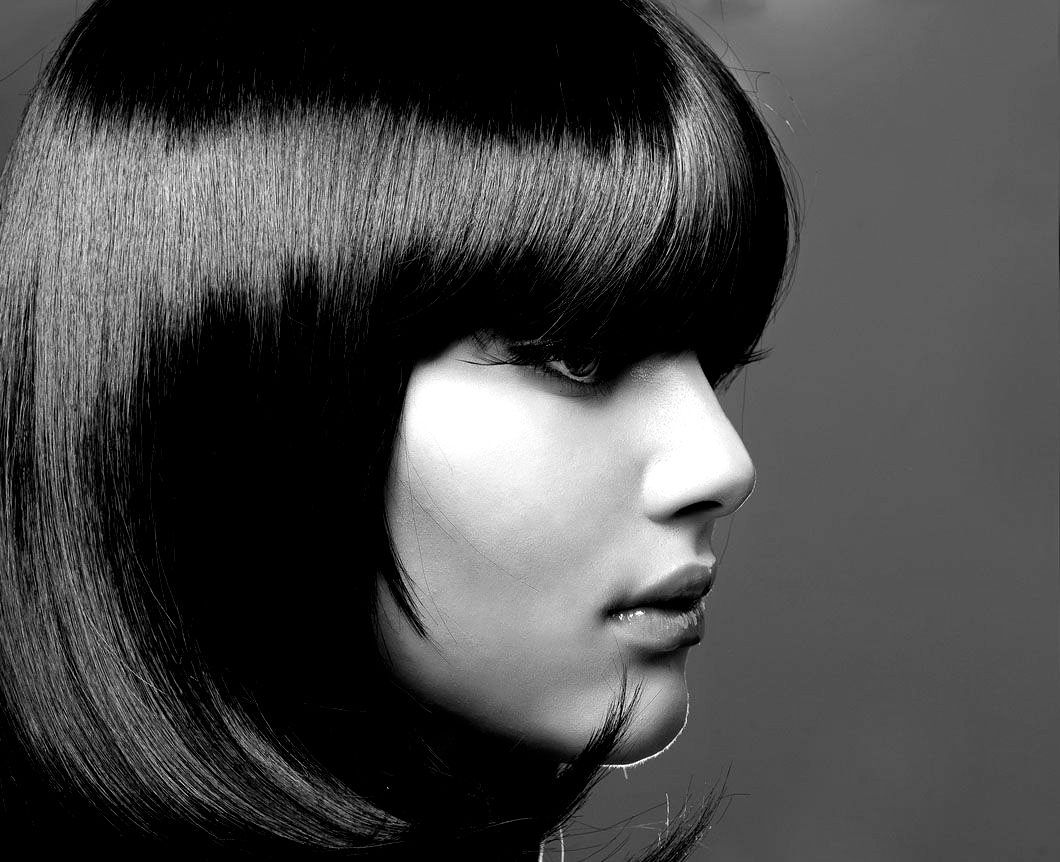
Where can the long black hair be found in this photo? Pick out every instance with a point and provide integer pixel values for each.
(229, 230)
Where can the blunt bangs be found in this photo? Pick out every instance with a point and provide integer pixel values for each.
(607, 186)
(677, 237)
(657, 219)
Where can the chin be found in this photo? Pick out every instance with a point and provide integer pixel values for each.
(651, 733)
(657, 720)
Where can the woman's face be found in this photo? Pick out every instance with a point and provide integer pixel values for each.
(541, 522)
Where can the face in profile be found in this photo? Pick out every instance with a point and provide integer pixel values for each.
(555, 526)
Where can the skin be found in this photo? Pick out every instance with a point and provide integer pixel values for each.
(522, 505)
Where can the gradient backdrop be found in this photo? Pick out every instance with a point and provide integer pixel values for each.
(880, 678)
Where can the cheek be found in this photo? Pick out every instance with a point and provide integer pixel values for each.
(479, 471)
(510, 511)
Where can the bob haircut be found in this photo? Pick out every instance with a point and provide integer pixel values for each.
(228, 233)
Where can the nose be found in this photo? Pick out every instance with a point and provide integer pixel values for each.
(697, 463)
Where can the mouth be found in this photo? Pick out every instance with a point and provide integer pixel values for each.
(661, 627)
(668, 614)
(678, 590)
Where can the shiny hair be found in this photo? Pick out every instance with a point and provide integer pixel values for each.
(229, 230)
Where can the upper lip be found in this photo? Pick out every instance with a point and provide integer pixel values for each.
(685, 585)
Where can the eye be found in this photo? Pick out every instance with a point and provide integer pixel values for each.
(584, 369)
(579, 371)
(575, 370)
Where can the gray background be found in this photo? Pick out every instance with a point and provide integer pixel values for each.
(880, 675)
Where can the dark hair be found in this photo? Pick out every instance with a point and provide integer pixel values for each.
(228, 232)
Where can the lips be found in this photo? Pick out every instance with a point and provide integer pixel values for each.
(680, 590)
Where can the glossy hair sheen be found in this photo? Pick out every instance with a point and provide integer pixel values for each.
(229, 230)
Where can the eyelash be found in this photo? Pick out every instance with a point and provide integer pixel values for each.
(593, 384)
(539, 357)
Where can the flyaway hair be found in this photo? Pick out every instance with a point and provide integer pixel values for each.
(229, 230)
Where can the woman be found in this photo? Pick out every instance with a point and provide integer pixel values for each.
(360, 454)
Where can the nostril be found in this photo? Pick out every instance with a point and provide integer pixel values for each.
(698, 508)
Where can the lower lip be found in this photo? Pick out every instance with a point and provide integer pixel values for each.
(660, 629)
